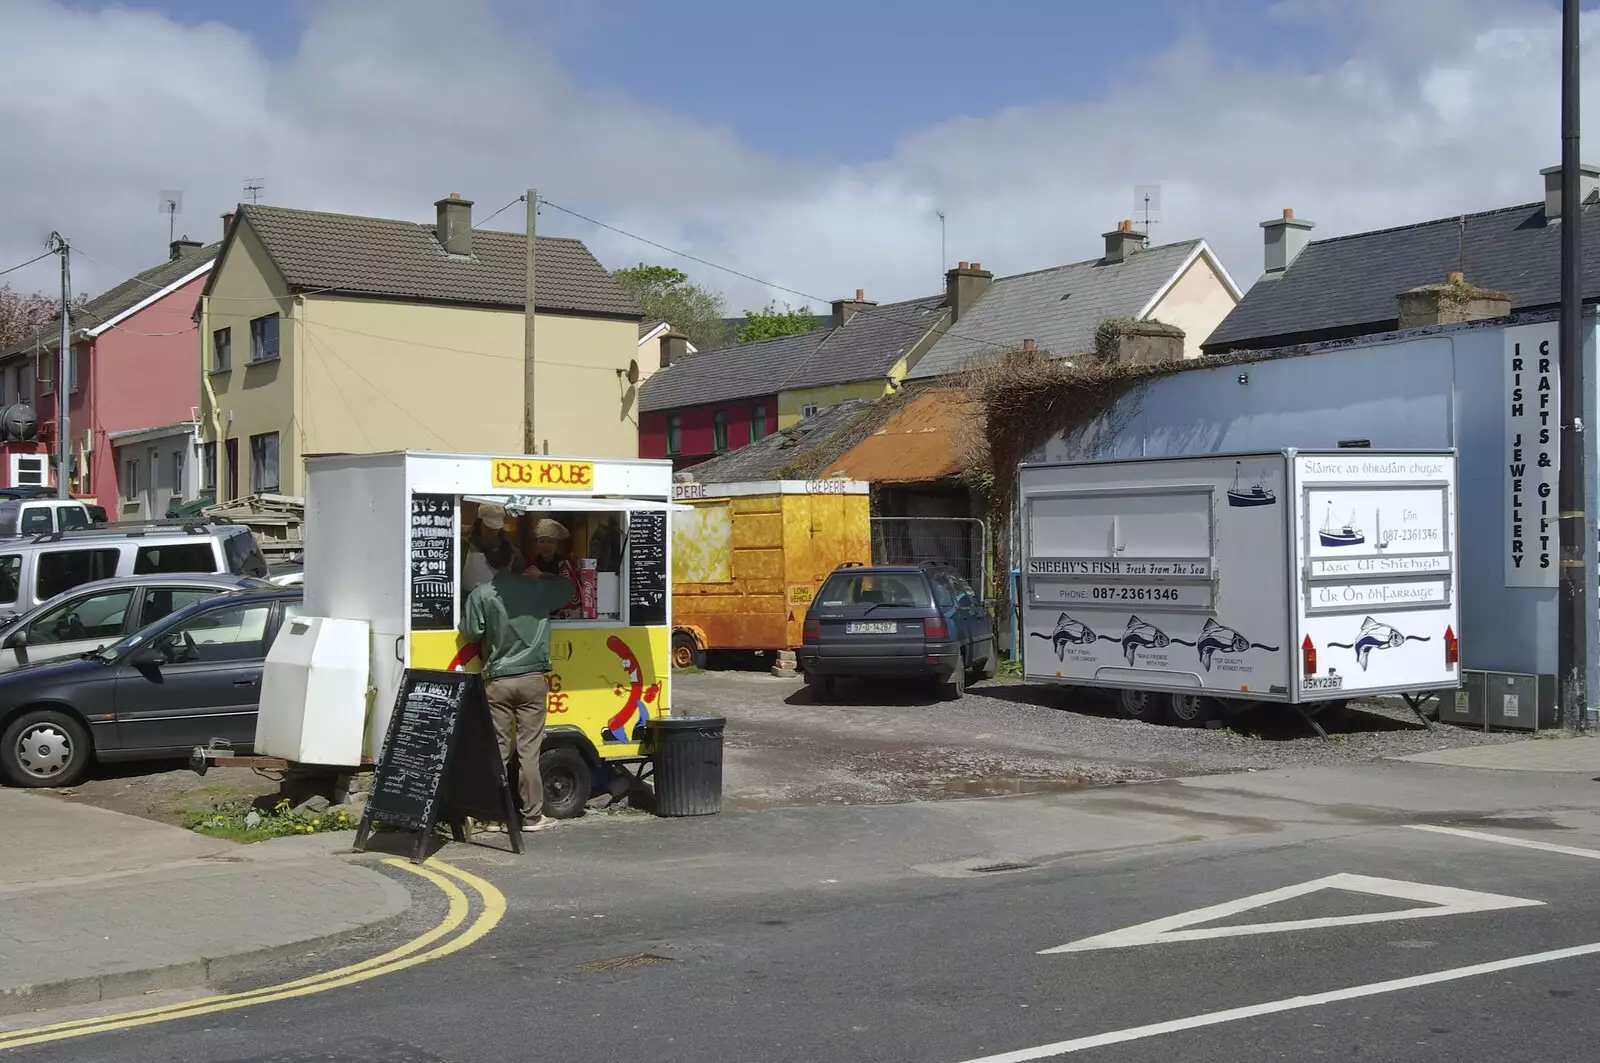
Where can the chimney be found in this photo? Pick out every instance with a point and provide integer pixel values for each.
(1453, 301)
(1286, 237)
(1123, 241)
(1028, 347)
(964, 286)
(182, 246)
(227, 223)
(674, 345)
(1588, 185)
(454, 228)
(845, 309)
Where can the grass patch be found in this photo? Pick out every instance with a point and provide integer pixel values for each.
(1009, 667)
(241, 823)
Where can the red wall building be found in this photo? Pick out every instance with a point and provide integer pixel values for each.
(694, 429)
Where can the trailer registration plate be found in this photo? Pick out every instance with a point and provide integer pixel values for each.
(1322, 682)
(870, 627)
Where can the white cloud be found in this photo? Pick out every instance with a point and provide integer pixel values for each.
(1434, 107)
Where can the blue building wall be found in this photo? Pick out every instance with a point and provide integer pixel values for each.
(1439, 387)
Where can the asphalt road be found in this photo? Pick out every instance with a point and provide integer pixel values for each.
(868, 933)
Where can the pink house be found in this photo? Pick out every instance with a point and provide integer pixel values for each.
(133, 392)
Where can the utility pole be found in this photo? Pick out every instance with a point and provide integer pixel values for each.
(63, 369)
(1573, 651)
(530, 441)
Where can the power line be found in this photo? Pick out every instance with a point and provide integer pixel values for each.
(457, 350)
(30, 262)
(380, 393)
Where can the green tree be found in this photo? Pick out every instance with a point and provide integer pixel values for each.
(769, 322)
(666, 294)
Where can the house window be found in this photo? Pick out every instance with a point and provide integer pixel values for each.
(808, 410)
(674, 434)
(47, 373)
(72, 365)
(27, 470)
(208, 467)
(758, 423)
(177, 472)
(23, 377)
(130, 480)
(232, 486)
(264, 338)
(264, 463)
(719, 430)
(221, 350)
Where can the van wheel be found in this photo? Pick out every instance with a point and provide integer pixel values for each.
(1141, 705)
(567, 782)
(686, 652)
(1192, 710)
(45, 748)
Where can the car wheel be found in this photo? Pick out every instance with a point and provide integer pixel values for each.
(567, 782)
(1141, 705)
(991, 662)
(686, 652)
(45, 748)
(823, 687)
(1192, 710)
(955, 688)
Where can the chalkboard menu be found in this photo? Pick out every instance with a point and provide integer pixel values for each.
(647, 571)
(433, 570)
(440, 762)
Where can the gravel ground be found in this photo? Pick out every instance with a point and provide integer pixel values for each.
(886, 743)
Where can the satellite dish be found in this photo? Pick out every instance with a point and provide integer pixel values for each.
(633, 370)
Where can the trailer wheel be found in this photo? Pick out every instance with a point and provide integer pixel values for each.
(1192, 710)
(686, 652)
(567, 782)
(1142, 705)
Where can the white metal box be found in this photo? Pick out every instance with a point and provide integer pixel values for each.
(314, 692)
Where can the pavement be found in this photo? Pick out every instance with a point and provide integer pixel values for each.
(100, 905)
(1581, 755)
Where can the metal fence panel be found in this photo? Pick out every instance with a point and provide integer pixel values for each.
(962, 542)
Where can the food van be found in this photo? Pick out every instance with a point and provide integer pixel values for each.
(1197, 586)
(385, 541)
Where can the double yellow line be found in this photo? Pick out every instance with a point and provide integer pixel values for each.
(421, 949)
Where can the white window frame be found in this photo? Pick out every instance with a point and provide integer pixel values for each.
(23, 462)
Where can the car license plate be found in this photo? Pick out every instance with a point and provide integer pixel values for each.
(1322, 682)
(870, 627)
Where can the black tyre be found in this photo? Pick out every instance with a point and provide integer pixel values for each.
(45, 748)
(1142, 705)
(686, 652)
(991, 663)
(567, 782)
(824, 688)
(1192, 710)
(955, 688)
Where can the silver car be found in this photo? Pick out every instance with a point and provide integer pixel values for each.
(97, 614)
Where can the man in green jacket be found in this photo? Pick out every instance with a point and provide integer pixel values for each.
(509, 618)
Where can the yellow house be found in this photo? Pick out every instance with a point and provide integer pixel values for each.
(334, 333)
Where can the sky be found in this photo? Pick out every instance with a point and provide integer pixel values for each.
(813, 154)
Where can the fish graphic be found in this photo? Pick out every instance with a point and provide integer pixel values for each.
(1377, 636)
(1147, 636)
(1217, 638)
(1070, 632)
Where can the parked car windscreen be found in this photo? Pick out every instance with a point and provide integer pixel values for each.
(875, 588)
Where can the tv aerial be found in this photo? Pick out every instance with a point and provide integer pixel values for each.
(253, 187)
(172, 206)
(1147, 204)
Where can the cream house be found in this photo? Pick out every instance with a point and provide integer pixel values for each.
(338, 333)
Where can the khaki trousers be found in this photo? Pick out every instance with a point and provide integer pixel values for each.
(516, 702)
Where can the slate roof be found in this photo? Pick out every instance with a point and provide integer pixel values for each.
(127, 295)
(741, 371)
(1057, 308)
(1347, 285)
(762, 459)
(404, 260)
(645, 327)
(870, 343)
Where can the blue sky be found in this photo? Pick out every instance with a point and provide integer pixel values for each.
(851, 76)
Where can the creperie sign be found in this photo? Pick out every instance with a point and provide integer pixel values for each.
(552, 475)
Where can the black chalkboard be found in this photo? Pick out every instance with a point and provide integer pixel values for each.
(433, 570)
(647, 567)
(440, 762)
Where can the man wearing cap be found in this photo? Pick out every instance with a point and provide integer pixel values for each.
(508, 616)
(488, 549)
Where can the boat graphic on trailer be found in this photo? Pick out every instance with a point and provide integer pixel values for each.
(1255, 496)
(1346, 535)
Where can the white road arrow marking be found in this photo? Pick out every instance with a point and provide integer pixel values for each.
(1439, 900)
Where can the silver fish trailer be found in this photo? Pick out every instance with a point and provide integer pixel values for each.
(1193, 587)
